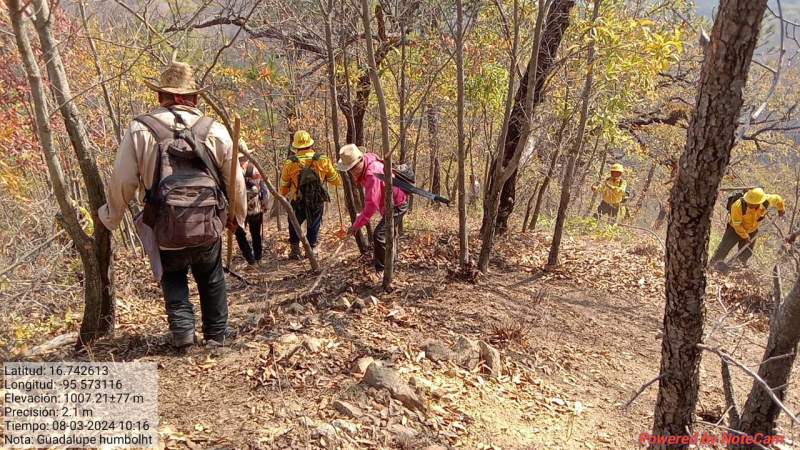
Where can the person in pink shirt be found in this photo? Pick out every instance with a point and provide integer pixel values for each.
(363, 168)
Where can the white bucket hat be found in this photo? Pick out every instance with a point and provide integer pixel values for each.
(349, 156)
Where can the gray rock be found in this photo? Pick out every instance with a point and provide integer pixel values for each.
(360, 365)
(436, 351)
(402, 432)
(313, 344)
(345, 426)
(286, 344)
(326, 432)
(341, 304)
(295, 308)
(466, 353)
(491, 358)
(381, 377)
(359, 303)
(347, 409)
(372, 301)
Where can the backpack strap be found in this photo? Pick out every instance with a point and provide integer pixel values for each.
(161, 132)
(200, 131)
(159, 129)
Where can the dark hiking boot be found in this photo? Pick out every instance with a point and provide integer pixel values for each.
(182, 340)
(295, 253)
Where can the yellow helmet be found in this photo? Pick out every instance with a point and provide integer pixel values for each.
(617, 168)
(302, 140)
(755, 196)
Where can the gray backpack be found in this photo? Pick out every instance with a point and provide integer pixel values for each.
(186, 203)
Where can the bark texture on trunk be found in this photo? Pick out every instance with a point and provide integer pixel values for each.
(463, 237)
(98, 314)
(709, 140)
(566, 185)
(347, 185)
(760, 412)
(558, 18)
(388, 271)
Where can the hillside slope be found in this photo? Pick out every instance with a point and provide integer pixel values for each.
(575, 344)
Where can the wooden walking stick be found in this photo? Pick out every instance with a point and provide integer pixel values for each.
(232, 183)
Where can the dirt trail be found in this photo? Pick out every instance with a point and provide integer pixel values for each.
(583, 339)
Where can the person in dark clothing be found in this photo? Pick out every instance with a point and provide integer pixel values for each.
(257, 199)
(206, 265)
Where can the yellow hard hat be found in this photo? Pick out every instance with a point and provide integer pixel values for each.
(302, 140)
(617, 168)
(755, 196)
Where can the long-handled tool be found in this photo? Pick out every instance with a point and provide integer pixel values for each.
(725, 266)
(232, 184)
(324, 270)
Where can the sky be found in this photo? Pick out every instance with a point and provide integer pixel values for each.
(792, 7)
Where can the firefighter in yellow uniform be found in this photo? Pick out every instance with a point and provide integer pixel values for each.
(302, 182)
(613, 191)
(746, 214)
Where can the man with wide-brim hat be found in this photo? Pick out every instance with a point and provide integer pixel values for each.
(303, 181)
(746, 210)
(612, 191)
(143, 150)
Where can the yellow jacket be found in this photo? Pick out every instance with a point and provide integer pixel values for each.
(613, 193)
(747, 222)
(291, 172)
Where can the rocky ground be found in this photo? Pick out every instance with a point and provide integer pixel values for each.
(521, 358)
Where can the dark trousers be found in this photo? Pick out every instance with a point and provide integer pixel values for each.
(731, 239)
(379, 237)
(314, 219)
(254, 222)
(206, 265)
(607, 209)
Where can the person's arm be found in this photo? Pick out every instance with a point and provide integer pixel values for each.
(736, 220)
(124, 182)
(372, 195)
(286, 179)
(331, 174)
(776, 201)
(618, 189)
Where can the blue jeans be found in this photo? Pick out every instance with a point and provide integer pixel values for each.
(206, 265)
(314, 219)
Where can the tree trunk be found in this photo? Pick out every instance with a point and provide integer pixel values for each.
(432, 112)
(646, 188)
(463, 242)
(760, 411)
(566, 185)
(558, 18)
(708, 145)
(98, 314)
(361, 241)
(388, 271)
(599, 177)
(528, 208)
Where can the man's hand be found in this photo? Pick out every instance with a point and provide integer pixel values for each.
(351, 232)
(781, 213)
(232, 226)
